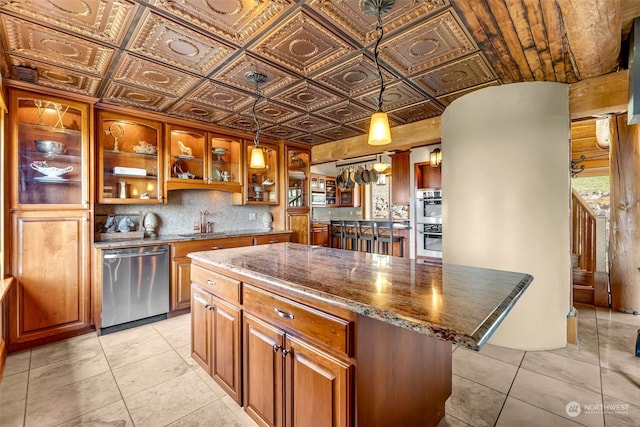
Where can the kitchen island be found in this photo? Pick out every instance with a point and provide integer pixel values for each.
(365, 339)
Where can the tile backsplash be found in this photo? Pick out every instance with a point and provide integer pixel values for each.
(183, 209)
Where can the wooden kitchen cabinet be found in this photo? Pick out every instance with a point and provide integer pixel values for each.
(130, 157)
(260, 186)
(401, 180)
(216, 323)
(264, 239)
(51, 264)
(281, 358)
(320, 235)
(180, 291)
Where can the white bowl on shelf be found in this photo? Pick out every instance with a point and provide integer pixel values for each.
(50, 171)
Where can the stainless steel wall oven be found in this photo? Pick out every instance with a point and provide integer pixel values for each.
(429, 223)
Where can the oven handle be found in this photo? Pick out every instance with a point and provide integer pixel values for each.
(430, 233)
(135, 255)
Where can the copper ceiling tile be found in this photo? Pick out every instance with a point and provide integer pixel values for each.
(419, 111)
(452, 77)
(140, 72)
(119, 93)
(104, 20)
(354, 76)
(449, 98)
(61, 78)
(310, 139)
(169, 42)
(428, 45)
(219, 96)
(363, 124)
(307, 96)
(235, 74)
(309, 123)
(344, 112)
(238, 121)
(233, 20)
(302, 44)
(196, 111)
(271, 111)
(395, 95)
(46, 45)
(348, 15)
(339, 132)
(282, 132)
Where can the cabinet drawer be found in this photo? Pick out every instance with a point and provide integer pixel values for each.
(222, 286)
(271, 238)
(180, 249)
(299, 319)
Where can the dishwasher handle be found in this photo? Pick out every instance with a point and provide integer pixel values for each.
(135, 254)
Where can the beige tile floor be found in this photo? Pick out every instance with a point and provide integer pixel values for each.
(145, 377)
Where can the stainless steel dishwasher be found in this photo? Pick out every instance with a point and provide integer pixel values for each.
(135, 286)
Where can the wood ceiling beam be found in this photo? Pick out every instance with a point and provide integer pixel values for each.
(598, 96)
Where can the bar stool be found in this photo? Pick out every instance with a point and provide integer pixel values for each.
(366, 235)
(385, 238)
(335, 232)
(350, 234)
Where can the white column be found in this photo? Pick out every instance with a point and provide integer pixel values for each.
(507, 198)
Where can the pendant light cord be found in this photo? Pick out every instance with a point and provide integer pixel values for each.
(380, 31)
(255, 115)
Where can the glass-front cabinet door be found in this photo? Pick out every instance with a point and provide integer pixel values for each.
(224, 171)
(187, 151)
(129, 169)
(50, 153)
(261, 184)
(298, 163)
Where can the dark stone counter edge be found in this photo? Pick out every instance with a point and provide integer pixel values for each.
(474, 341)
(171, 238)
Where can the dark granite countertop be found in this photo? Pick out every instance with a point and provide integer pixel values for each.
(172, 238)
(452, 302)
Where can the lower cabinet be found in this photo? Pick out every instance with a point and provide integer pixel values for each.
(215, 339)
(320, 235)
(288, 381)
(50, 262)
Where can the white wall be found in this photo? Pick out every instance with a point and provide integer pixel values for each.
(506, 200)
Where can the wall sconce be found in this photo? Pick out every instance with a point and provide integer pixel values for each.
(379, 132)
(435, 158)
(257, 154)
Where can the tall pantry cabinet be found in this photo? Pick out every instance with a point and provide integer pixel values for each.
(50, 216)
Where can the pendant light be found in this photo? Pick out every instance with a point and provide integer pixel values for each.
(379, 132)
(257, 154)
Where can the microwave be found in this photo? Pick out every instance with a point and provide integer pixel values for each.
(318, 199)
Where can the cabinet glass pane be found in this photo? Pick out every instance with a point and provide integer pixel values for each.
(50, 153)
(188, 155)
(130, 161)
(298, 171)
(262, 185)
(225, 160)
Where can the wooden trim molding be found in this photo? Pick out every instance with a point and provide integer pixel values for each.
(5, 287)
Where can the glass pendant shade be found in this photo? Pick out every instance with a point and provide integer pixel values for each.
(257, 158)
(379, 132)
(380, 167)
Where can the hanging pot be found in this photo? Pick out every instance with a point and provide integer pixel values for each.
(358, 177)
(373, 174)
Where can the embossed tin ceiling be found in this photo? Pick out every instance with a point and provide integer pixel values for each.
(190, 58)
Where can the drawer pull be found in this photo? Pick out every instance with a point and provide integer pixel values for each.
(217, 247)
(284, 314)
(273, 241)
(276, 347)
(203, 302)
(211, 282)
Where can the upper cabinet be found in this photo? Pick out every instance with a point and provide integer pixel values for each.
(50, 151)
(400, 184)
(298, 172)
(260, 185)
(129, 159)
(199, 159)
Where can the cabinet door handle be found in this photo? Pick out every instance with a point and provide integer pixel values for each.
(217, 247)
(276, 347)
(201, 301)
(211, 282)
(285, 352)
(284, 314)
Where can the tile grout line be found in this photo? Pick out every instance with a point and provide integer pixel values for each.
(510, 387)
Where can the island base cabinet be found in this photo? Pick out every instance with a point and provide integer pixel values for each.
(290, 382)
(403, 379)
(215, 339)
